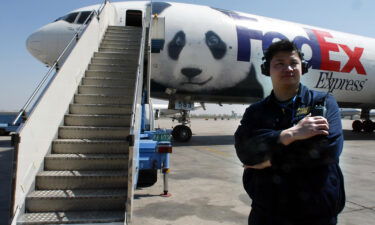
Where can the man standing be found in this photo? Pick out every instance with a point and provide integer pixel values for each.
(290, 144)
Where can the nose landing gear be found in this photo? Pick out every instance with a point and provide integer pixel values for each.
(182, 133)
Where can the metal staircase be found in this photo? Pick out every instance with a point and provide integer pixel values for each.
(85, 175)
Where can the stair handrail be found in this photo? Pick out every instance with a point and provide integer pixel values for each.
(135, 124)
(75, 37)
(139, 74)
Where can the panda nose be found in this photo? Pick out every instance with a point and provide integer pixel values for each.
(191, 72)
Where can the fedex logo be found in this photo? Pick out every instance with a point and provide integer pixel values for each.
(318, 42)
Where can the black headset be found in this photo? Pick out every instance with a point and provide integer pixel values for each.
(265, 66)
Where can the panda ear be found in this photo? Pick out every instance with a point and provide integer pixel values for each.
(159, 7)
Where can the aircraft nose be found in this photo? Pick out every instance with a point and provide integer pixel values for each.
(191, 72)
(33, 44)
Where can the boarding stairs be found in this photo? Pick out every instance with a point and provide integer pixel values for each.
(85, 175)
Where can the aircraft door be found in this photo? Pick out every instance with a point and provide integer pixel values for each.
(134, 18)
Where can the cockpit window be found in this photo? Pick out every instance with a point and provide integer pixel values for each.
(82, 18)
(70, 18)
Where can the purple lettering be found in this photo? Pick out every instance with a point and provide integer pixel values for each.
(244, 36)
(269, 37)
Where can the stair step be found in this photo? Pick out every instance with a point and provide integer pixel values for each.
(130, 35)
(114, 82)
(117, 68)
(110, 74)
(78, 132)
(122, 36)
(127, 28)
(90, 146)
(127, 38)
(106, 90)
(86, 162)
(63, 180)
(76, 200)
(72, 217)
(97, 120)
(108, 60)
(123, 31)
(121, 46)
(97, 109)
(117, 55)
(119, 50)
(101, 99)
(121, 42)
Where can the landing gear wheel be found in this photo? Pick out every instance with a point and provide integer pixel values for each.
(181, 133)
(147, 178)
(368, 126)
(357, 126)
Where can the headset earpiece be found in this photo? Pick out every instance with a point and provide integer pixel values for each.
(305, 66)
(265, 67)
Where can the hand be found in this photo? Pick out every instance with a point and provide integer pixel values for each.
(259, 166)
(308, 127)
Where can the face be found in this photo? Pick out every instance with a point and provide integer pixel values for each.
(285, 69)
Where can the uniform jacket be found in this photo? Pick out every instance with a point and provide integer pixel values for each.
(305, 182)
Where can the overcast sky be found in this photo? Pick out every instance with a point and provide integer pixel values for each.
(20, 72)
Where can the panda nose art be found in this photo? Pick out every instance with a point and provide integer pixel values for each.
(191, 72)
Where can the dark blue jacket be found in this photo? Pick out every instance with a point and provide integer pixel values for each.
(304, 183)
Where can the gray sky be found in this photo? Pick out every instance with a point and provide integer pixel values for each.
(20, 72)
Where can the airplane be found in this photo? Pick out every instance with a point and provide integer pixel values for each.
(352, 113)
(214, 55)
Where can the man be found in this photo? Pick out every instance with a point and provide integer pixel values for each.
(290, 155)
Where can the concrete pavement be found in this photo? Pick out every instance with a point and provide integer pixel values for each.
(206, 186)
(205, 180)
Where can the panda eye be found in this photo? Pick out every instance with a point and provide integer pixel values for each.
(217, 47)
(176, 45)
(180, 41)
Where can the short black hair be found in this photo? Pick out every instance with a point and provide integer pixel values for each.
(281, 46)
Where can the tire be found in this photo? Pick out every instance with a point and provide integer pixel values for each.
(368, 126)
(357, 126)
(181, 133)
(147, 178)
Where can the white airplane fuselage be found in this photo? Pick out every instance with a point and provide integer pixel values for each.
(214, 55)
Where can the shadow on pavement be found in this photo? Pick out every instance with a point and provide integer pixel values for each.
(350, 135)
(207, 140)
(229, 139)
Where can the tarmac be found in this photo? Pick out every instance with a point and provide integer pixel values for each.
(205, 181)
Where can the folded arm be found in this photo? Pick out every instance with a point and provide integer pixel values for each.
(313, 141)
